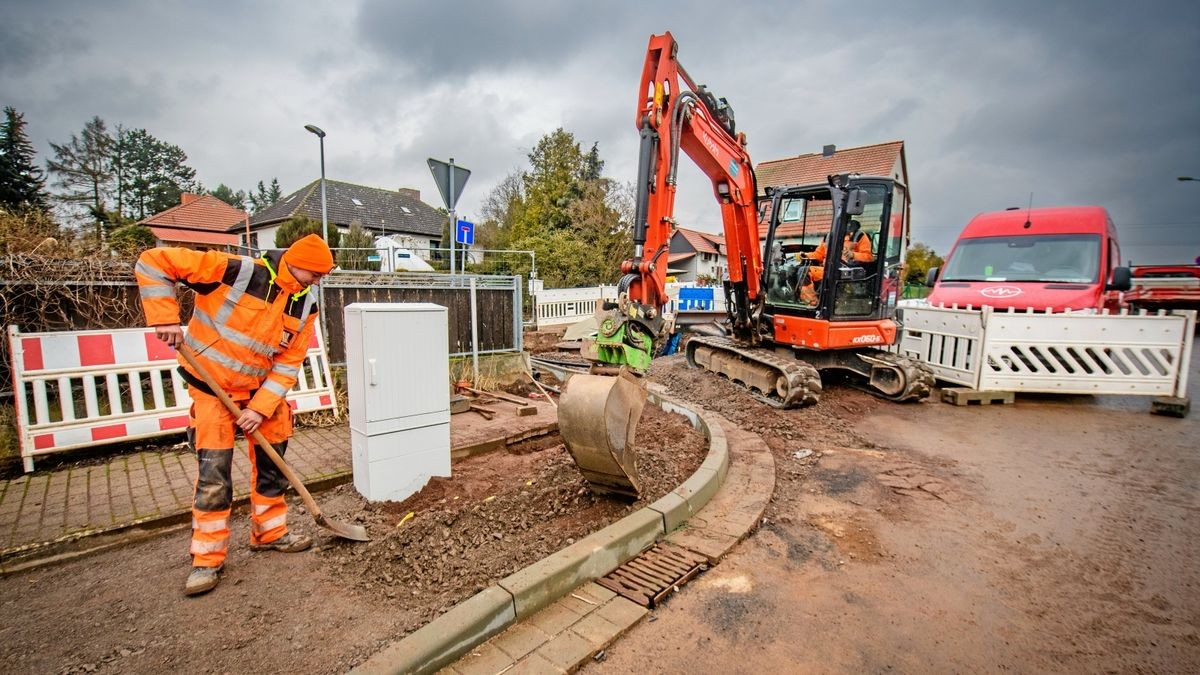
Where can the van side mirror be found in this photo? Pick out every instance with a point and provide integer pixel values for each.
(931, 276)
(1122, 279)
(856, 201)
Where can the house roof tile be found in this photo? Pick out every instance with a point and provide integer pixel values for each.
(869, 160)
(378, 210)
(190, 236)
(702, 242)
(203, 213)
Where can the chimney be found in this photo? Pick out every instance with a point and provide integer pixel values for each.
(188, 198)
(410, 192)
(828, 150)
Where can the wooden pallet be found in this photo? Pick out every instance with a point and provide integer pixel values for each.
(964, 396)
(1170, 406)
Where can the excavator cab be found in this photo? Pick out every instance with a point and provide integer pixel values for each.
(834, 249)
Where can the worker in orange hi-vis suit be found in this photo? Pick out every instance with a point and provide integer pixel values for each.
(856, 247)
(251, 328)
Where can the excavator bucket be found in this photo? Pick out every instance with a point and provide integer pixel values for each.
(597, 417)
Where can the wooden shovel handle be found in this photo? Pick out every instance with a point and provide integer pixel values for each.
(261, 440)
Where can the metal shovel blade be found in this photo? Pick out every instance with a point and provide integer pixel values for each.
(597, 417)
(343, 530)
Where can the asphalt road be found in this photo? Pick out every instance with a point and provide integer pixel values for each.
(1057, 534)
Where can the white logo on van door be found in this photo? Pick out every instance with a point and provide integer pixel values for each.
(1001, 292)
(865, 339)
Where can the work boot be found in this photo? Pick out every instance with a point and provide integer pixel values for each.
(288, 543)
(202, 580)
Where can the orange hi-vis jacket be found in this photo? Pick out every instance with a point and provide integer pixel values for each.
(249, 333)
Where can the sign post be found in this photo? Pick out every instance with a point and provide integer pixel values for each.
(450, 180)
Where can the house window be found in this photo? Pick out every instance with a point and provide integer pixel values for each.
(706, 257)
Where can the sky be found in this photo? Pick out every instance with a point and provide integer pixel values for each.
(1072, 102)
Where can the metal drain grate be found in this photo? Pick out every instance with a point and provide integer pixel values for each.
(654, 574)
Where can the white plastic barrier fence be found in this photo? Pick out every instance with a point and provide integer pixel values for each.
(564, 306)
(1070, 353)
(82, 388)
(560, 306)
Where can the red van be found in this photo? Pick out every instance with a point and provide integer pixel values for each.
(1048, 258)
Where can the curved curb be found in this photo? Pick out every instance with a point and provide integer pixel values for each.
(523, 593)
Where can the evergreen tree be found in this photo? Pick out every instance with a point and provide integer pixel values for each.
(83, 169)
(154, 173)
(577, 221)
(357, 245)
(226, 194)
(300, 226)
(22, 183)
(262, 197)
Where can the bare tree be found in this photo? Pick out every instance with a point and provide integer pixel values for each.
(83, 169)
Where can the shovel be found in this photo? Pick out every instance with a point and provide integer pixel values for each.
(343, 530)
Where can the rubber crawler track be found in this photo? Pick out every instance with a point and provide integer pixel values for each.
(804, 382)
(918, 378)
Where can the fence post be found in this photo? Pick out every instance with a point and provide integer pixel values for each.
(474, 337)
(518, 328)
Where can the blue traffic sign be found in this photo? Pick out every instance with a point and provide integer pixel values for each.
(465, 233)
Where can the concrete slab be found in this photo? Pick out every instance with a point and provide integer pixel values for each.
(520, 639)
(535, 664)
(567, 650)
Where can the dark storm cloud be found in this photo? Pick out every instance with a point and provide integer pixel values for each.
(1075, 102)
(452, 39)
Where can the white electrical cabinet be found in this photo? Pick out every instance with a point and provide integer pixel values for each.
(398, 376)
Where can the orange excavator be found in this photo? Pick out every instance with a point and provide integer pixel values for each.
(822, 298)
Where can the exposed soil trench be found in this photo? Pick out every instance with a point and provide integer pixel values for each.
(328, 610)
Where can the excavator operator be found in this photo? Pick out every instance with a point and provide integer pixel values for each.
(856, 248)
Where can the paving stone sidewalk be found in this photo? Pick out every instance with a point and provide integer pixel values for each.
(42, 511)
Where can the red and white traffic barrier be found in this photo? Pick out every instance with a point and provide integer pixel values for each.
(81, 388)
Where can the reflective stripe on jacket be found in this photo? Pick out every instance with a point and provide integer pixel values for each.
(247, 331)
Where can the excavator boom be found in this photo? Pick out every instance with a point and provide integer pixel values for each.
(599, 411)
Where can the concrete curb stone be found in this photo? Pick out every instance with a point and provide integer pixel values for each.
(439, 642)
(535, 587)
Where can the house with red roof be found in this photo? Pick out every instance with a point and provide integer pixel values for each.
(881, 159)
(200, 222)
(695, 256)
(399, 215)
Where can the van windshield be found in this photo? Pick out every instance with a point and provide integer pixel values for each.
(1069, 258)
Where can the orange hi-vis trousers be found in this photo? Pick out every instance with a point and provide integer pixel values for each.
(211, 436)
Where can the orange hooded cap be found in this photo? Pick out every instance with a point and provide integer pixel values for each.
(310, 253)
(307, 253)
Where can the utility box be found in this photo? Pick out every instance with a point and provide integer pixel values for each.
(398, 376)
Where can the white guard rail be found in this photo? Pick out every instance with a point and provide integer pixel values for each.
(564, 306)
(82, 388)
(1070, 353)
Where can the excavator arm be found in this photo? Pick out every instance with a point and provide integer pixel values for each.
(599, 411)
(674, 114)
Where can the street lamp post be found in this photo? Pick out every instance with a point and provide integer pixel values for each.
(324, 219)
(324, 213)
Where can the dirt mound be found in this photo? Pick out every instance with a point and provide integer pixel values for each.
(499, 513)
